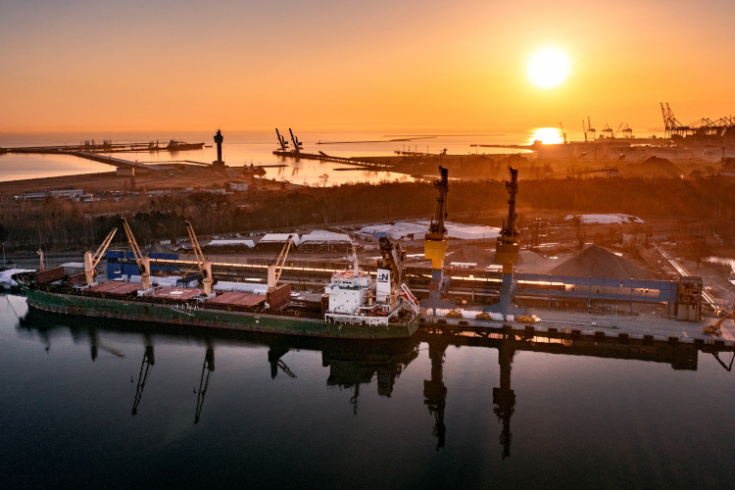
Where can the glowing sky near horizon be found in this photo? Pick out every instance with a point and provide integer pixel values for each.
(349, 65)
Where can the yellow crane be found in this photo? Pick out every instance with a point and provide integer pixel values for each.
(91, 261)
(715, 328)
(275, 270)
(143, 261)
(435, 242)
(205, 266)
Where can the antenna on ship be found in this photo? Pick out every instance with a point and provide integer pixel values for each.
(355, 267)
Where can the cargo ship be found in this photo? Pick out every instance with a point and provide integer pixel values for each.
(354, 304)
(174, 145)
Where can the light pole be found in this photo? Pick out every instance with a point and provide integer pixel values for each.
(4, 266)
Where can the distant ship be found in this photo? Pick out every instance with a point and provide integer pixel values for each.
(174, 145)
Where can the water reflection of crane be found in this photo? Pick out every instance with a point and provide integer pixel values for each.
(435, 393)
(275, 354)
(148, 361)
(207, 369)
(679, 356)
(504, 398)
(95, 345)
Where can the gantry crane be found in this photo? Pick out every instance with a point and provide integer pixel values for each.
(435, 243)
(627, 131)
(275, 270)
(143, 261)
(90, 261)
(205, 266)
(608, 132)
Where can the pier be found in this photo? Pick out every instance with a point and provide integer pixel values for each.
(323, 157)
(117, 162)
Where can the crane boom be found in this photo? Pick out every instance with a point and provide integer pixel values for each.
(205, 266)
(91, 262)
(274, 271)
(716, 327)
(143, 261)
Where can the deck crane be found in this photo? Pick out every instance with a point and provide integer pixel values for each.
(297, 145)
(435, 243)
(143, 261)
(282, 141)
(205, 266)
(275, 270)
(91, 261)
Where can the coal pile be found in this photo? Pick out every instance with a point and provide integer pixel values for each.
(653, 167)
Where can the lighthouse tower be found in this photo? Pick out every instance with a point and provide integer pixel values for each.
(218, 165)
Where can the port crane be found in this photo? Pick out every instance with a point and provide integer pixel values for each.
(143, 261)
(435, 242)
(91, 261)
(205, 266)
(275, 270)
(608, 132)
(282, 141)
(617, 130)
(297, 145)
(590, 130)
(627, 131)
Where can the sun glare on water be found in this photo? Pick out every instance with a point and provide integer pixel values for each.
(547, 136)
(548, 68)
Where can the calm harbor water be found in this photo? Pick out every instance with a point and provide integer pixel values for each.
(242, 148)
(99, 404)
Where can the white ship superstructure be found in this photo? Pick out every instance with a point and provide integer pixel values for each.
(356, 298)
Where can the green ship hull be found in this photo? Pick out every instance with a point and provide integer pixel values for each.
(73, 304)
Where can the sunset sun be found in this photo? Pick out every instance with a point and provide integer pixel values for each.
(548, 68)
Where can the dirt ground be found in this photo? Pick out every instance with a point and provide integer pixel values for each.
(109, 181)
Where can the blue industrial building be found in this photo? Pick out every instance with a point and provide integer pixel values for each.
(121, 263)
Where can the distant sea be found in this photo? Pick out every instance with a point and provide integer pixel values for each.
(246, 147)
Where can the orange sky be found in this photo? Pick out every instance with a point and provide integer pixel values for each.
(349, 65)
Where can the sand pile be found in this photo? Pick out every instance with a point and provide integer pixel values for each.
(471, 254)
(653, 167)
(598, 262)
(532, 263)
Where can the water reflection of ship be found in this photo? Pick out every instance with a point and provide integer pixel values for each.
(351, 363)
